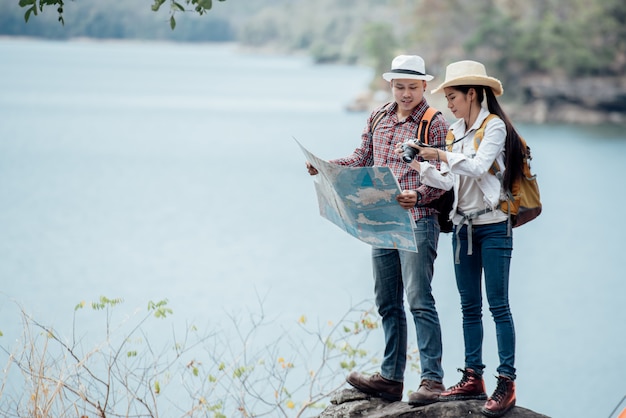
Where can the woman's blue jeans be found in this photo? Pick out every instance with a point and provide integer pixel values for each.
(398, 271)
(491, 254)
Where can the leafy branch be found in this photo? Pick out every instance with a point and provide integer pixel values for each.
(34, 7)
(261, 370)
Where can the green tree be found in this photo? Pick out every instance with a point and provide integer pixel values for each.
(572, 37)
(379, 44)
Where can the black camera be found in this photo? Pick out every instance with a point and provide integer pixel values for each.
(408, 152)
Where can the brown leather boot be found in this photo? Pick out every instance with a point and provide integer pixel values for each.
(376, 385)
(427, 393)
(471, 386)
(502, 400)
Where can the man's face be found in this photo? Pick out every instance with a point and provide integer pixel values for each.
(408, 93)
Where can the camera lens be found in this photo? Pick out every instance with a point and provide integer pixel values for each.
(409, 153)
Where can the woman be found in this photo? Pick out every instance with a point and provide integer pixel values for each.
(483, 242)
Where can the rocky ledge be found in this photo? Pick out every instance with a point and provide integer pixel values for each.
(543, 99)
(586, 100)
(350, 403)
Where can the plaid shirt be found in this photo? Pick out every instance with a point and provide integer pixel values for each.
(378, 150)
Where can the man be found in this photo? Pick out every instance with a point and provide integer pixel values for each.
(397, 271)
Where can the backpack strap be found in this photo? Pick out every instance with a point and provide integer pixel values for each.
(424, 125)
(478, 137)
(422, 129)
(378, 116)
(449, 140)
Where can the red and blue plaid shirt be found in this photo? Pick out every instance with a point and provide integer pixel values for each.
(377, 149)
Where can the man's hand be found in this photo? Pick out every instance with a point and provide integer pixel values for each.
(312, 170)
(407, 199)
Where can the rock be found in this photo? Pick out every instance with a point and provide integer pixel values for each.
(350, 403)
(586, 100)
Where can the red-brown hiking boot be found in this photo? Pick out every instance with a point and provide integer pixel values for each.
(502, 400)
(376, 385)
(427, 393)
(471, 386)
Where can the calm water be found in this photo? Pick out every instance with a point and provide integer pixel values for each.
(151, 171)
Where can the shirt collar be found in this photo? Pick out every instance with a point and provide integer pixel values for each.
(458, 127)
(419, 110)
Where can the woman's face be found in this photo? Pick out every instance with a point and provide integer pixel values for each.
(458, 102)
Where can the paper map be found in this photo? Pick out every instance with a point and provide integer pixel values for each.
(362, 202)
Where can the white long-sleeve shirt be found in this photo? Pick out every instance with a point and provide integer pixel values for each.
(467, 170)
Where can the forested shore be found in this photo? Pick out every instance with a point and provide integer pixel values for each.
(559, 60)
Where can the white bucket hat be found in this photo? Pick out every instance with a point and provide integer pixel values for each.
(407, 66)
(469, 73)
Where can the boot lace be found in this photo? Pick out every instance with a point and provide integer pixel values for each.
(500, 392)
(463, 381)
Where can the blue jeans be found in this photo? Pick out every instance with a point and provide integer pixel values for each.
(491, 254)
(395, 272)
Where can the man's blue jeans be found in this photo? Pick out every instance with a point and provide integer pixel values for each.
(398, 271)
(491, 254)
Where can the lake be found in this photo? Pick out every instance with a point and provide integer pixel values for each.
(154, 170)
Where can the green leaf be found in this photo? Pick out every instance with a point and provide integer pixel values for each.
(157, 5)
(172, 22)
(179, 6)
(24, 3)
(239, 371)
(28, 12)
(207, 4)
(160, 309)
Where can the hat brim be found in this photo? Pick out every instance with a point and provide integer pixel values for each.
(473, 80)
(395, 76)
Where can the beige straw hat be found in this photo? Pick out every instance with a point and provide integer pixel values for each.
(469, 73)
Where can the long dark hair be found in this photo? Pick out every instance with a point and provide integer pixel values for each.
(513, 153)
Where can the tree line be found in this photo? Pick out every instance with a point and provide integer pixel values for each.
(564, 37)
